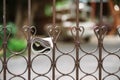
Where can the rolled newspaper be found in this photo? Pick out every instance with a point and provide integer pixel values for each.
(41, 45)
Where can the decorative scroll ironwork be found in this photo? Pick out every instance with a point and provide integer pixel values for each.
(56, 69)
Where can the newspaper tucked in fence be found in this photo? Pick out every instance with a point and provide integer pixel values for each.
(41, 45)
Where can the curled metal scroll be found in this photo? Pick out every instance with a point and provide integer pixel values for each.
(75, 29)
(26, 29)
(100, 32)
(54, 32)
(81, 32)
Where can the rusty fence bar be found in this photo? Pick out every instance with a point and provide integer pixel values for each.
(29, 40)
(100, 40)
(77, 40)
(54, 42)
(5, 39)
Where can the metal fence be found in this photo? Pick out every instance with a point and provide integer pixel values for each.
(76, 73)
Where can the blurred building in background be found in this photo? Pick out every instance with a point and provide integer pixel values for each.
(65, 9)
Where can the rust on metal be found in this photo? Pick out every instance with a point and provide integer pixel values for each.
(53, 72)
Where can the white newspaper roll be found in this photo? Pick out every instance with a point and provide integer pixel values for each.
(41, 45)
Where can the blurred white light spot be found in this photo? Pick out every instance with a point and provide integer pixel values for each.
(67, 24)
(116, 7)
(64, 17)
(81, 5)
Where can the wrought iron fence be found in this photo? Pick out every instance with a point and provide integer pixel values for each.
(56, 69)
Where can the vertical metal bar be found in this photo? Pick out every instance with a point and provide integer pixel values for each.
(29, 40)
(29, 12)
(100, 40)
(101, 11)
(77, 13)
(54, 13)
(4, 40)
(54, 43)
(77, 40)
(53, 56)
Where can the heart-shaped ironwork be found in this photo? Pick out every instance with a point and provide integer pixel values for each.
(77, 32)
(54, 32)
(27, 29)
(100, 32)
